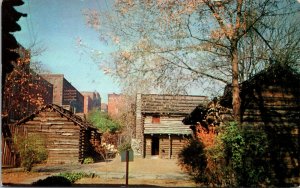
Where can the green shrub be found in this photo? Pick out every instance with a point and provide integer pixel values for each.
(245, 149)
(102, 121)
(218, 173)
(74, 176)
(88, 160)
(32, 150)
(238, 158)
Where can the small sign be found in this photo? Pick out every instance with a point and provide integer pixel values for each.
(123, 156)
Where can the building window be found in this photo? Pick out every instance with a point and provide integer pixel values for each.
(156, 119)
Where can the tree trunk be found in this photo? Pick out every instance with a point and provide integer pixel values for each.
(236, 101)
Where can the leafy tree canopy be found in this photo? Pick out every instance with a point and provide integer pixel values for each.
(103, 122)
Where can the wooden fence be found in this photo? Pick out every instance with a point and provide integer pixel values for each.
(9, 154)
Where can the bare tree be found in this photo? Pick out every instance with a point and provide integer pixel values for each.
(173, 44)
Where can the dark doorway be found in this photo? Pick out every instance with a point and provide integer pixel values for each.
(155, 145)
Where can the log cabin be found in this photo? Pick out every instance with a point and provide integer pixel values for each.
(69, 138)
(159, 128)
(269, 100)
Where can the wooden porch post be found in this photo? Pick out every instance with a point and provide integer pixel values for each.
(170, 146)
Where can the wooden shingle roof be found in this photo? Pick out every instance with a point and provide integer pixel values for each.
(170, 104)
(276, 75)
(65, 113)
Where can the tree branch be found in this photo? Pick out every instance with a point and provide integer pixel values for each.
(187, 67)
(204, 40)
(218, 18)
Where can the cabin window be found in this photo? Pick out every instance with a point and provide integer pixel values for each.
(156, 119)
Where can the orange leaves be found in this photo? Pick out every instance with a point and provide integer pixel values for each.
(92, 18)
(217, 34)
(23, 91)
(206, 135)
(124, 5)
(126, 55)
(220, 33)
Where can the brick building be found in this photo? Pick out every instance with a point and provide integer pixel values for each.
(92, 100)
(115, 103)
(103, 107)
(64, 93)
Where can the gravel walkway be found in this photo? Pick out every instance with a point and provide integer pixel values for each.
(146, 169)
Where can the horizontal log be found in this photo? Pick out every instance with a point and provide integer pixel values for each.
(46, 130)
(65, 142)
(51, 124)
(48, 114)
(66, 153)
(62, 155)
(65, 147)
(275, 94)
(57, 156)
(62, 161)
(62, 149)
(59, 136)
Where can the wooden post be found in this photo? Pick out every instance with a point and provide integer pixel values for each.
(170, 146)
(127, 165)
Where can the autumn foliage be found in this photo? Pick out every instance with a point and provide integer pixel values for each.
(24, 91)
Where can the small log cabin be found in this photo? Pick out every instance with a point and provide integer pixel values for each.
(270, 99)
(69, 139)
(159, 127)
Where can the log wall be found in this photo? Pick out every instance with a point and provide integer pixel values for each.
(167, 125)
(171, 109)
(277, 108)
(148, 146)
(62, 136)
(178, 142)
(169, 145)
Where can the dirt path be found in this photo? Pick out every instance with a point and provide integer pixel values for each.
(156, 172)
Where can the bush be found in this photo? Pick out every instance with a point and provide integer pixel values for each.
(74, 176)
(88, 160)
(193, 160)
(32, 150)
(238, 158)
(103, 122)
(245, 149)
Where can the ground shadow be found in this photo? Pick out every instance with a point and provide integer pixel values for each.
(54, 181)
(84, 185)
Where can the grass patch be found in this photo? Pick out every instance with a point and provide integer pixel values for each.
(74, 176)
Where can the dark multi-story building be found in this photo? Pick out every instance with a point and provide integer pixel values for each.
(64, 93)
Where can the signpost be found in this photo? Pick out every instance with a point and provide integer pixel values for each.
(127, 156)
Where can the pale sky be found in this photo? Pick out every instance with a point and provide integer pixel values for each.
(59, 25)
